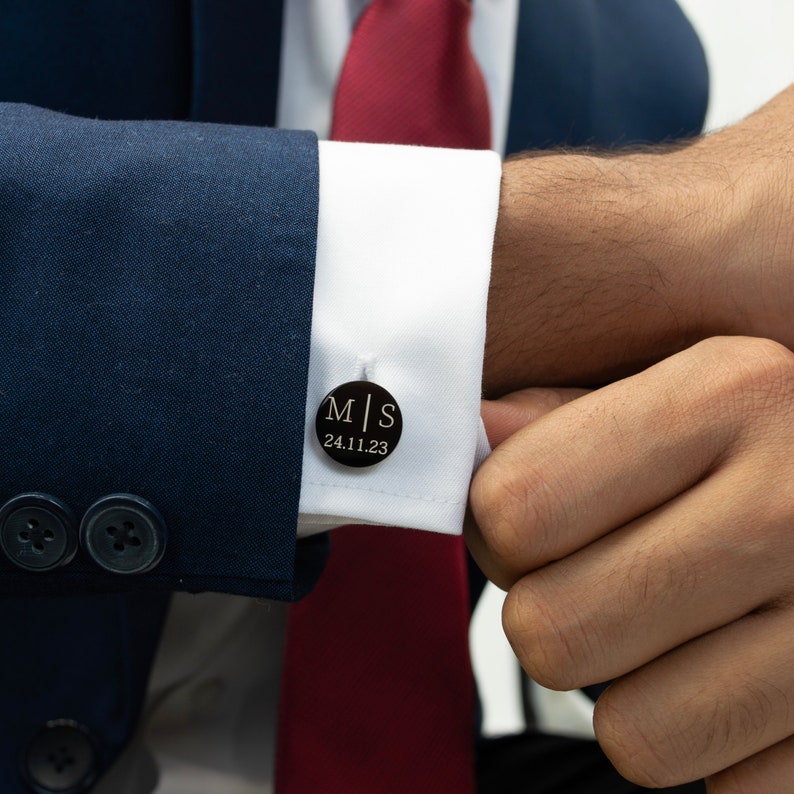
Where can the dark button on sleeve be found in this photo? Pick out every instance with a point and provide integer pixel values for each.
(123, 533)
(37, 532)
(62, 758)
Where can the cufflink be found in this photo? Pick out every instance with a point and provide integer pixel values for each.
(359, 424)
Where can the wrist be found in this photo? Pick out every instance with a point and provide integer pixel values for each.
(598, 267)
(753, 262)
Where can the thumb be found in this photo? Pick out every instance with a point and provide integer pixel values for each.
(510, 413)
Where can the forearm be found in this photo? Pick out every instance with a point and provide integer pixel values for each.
(606, 262)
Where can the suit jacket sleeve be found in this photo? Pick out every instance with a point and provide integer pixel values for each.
(156, 304)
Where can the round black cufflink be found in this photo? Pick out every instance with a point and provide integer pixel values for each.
(359, 424)
(38, 532)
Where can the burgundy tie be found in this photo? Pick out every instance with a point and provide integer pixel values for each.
(410, 77)
(377, 689)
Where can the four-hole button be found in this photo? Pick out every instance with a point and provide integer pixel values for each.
(37, 531)
(123, 533)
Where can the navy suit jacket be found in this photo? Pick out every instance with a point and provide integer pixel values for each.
(157, 276)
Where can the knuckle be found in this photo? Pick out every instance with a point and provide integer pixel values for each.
(755, 368)
(745, 385)
(511, 511)
(634, 739)
(547, 638)
(656, 741)
(772, 364)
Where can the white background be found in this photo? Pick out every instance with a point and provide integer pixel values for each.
(750, 49)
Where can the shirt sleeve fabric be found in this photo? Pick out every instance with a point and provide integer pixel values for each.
(404, 247)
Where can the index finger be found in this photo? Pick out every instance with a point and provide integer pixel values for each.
(613, 455)
(510, 413)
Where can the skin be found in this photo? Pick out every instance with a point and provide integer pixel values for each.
(643, 531)
(606, 263)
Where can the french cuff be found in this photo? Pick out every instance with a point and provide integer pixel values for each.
(403, 261)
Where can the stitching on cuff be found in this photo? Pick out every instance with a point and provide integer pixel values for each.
(416, 497)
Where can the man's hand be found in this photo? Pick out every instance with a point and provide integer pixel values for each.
(607, 262)
(645, 532)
